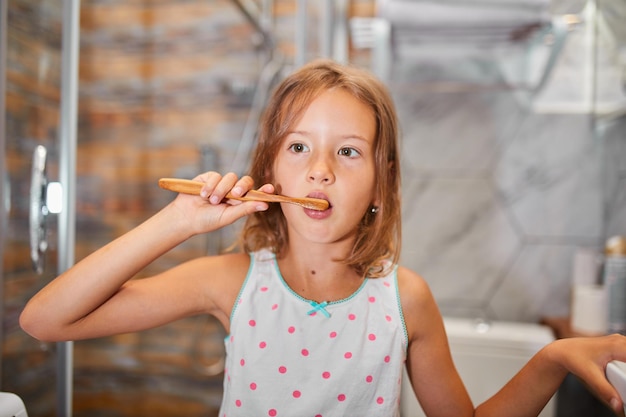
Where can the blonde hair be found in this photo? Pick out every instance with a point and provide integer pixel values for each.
(379, 235)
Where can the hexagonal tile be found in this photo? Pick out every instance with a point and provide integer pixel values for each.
(537, 285)
(550, 178)
(456, 236)
(454, 133)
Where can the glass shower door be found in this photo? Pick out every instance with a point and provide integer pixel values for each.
(33, 104)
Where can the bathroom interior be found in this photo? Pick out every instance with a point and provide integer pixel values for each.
(513, 119)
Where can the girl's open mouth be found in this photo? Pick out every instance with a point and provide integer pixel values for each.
(319, 214)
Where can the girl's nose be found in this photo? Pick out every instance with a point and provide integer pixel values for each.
(321, 172)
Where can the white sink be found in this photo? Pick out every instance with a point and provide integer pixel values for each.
(11, 405)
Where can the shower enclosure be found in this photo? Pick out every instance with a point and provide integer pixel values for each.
(38, 58)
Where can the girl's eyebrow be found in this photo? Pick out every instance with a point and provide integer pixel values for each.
(359, 137)
(297, 132)
(346, 136)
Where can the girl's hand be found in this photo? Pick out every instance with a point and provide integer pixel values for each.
(211, 210)
(587, 358)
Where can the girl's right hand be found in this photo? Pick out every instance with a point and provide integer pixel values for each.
(211, 210)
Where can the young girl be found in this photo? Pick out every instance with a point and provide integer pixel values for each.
(321, 320)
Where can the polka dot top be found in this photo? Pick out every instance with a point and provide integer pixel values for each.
(289, 356)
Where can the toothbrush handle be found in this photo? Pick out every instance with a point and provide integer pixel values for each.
(194, 187)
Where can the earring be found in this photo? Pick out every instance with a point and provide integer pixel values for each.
(374, 210)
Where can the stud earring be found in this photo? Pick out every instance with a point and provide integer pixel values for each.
(374, 210)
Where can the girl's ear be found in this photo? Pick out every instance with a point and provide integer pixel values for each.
(375, 205)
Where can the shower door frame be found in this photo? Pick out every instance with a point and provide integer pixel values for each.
(3, 197)
(68, 143)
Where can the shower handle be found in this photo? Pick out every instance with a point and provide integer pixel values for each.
(38, 210)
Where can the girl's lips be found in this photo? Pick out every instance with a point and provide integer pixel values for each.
(317, 214)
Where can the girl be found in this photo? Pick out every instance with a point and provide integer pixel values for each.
(321, 320)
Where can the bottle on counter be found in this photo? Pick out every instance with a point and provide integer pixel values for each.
(615, 283)
(588, 312)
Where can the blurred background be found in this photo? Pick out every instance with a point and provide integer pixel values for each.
(513, 147)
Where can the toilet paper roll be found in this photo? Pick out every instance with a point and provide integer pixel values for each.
(589, 310)
(586, 267)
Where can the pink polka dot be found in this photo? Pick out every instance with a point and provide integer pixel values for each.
(282, 369)
(275, 306)
(386, 284)
(369, 378)
(242, 362)
(291, 329)
(296, 394)
(380, 400)
(252, 323)
(313, 314)
(263, 289)
(371, 336)
(238, 403)
(272, 412)
(333, 335)
(387, 359)
(326, 375)
(252, 386)
(372, 299)
(347, 355)
(305, 352)
(318, 415)
(262, 345)
(388, 318)
(341, 397)
(351, 316)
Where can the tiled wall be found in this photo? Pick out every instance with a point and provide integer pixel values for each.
(501, 188)
(161, 82)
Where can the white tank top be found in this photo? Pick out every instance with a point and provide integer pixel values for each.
(289, 356)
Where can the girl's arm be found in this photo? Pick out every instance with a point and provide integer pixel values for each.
(586, 357)
(434, 378)
(441, 393)
(95, 297)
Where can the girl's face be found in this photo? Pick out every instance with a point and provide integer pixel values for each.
(329, 154)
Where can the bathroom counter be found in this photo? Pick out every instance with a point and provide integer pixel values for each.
(561, 327)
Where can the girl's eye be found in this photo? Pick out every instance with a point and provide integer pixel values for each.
(298, 147)
(349, 152)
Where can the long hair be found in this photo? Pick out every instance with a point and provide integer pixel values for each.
(379, 235)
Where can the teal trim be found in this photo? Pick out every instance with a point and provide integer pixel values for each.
(245, 282)
(301, 298)
(400, 312)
